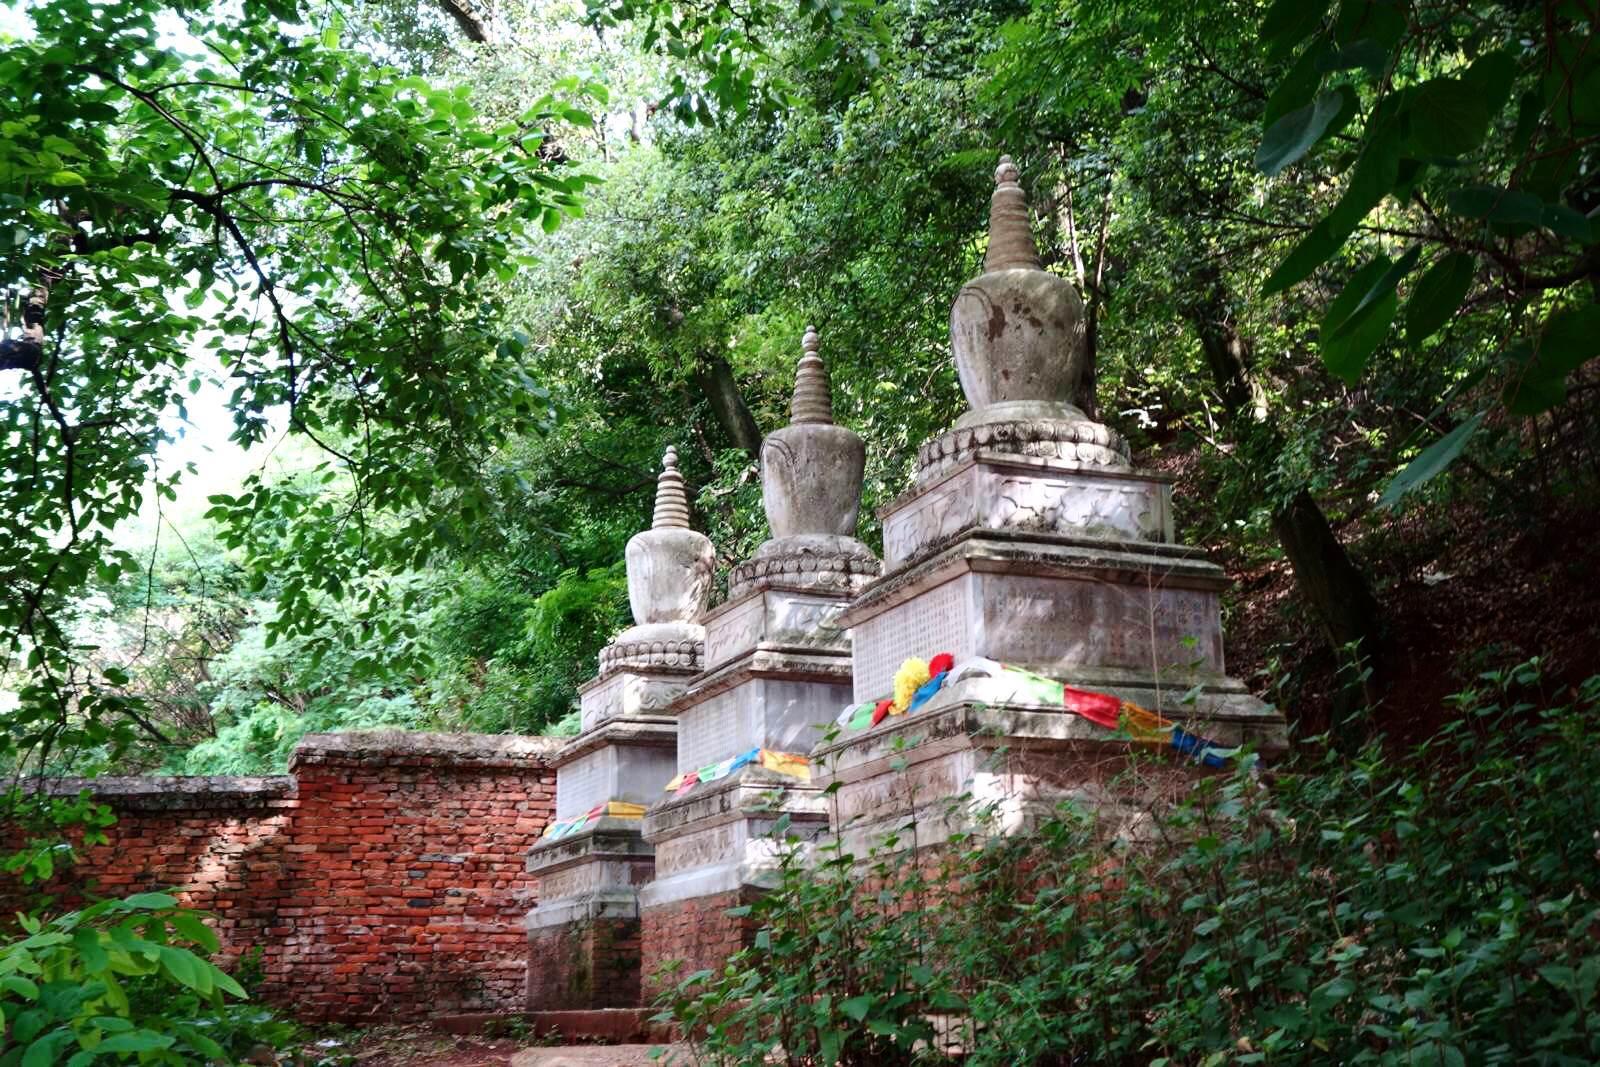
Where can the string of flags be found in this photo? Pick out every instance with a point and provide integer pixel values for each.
(615, 809)
(786, 763)
(918, 681)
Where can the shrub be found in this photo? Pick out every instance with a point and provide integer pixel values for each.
(1436, 907)
(68, 989)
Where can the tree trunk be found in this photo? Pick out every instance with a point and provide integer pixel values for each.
(1332, 585)
(716, 380)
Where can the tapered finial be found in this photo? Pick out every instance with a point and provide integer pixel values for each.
(672, 506)
(1010, 234)
(812, 401)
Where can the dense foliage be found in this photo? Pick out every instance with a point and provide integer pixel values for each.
(1362, 910)
(1327, 254)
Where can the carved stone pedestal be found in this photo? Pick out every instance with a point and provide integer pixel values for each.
(784, 674)
(583, 938)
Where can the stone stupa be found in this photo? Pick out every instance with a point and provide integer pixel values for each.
(1029, 540)
(583, 936)
(777, 670)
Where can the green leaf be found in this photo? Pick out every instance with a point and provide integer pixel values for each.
(1365, 54)
(22, 987)
(1433, 460)
(1437, 295)
(1562, 220)
(1491, 76)
(1384, 286)
(185, 968)
(1358, 319)
(193, 928)
(1568, 340)
(1496, 204)
(138, 1041)
(87, 941)
(856, 1007)
(1448, 117)
(150, 901)
(1299, 84)
(1374, 176)
(1288, 22)
(1294, 134)
(63, 179)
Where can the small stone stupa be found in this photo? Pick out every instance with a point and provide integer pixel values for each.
(777, 670)
(583, 936)
(1029, 541)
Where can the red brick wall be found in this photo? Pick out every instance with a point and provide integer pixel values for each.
(383, 879)
(698, 932)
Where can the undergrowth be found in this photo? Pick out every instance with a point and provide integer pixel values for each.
(1433, 908)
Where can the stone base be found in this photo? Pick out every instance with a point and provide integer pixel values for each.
(963, 764)
(583, 938)
(1050, 603)
(629, 694)
(1065, 442)
(826, 563)
(690, 935)
(719, 837)
(622, 759)
(989, 490)
(585, 964)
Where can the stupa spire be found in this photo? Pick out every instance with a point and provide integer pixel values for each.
(672, 505)
(813, 402)
(1010, 233)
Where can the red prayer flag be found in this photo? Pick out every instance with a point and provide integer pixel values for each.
(1101, 709)
(879, 712)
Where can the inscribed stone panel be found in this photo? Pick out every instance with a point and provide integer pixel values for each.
(584, 782)
(734, 631)
(794, 711)
(713, 730)
(935, 620)
(1047, 623)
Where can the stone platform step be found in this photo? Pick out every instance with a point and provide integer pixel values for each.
(606, 1026)
(586, 1056)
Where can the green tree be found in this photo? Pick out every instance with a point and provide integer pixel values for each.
(197, 191)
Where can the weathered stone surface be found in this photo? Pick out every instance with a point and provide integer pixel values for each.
(669, 578)
(811, 479)
(777, 619)
(629, 694)
(204, 793)
(826, 563)
(1017, 332)
(1048, 604)
(1067, 442)
(811, 469)
(623, 759)
(784, 714)
(722, 836)
(990, 490)
(965, 763)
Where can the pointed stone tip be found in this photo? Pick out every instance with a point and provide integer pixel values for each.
(1010, 232)
(672, 504)
(813, 399)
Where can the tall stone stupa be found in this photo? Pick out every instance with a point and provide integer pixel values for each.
(777, 670)
(584, 934)
(1028, 540)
